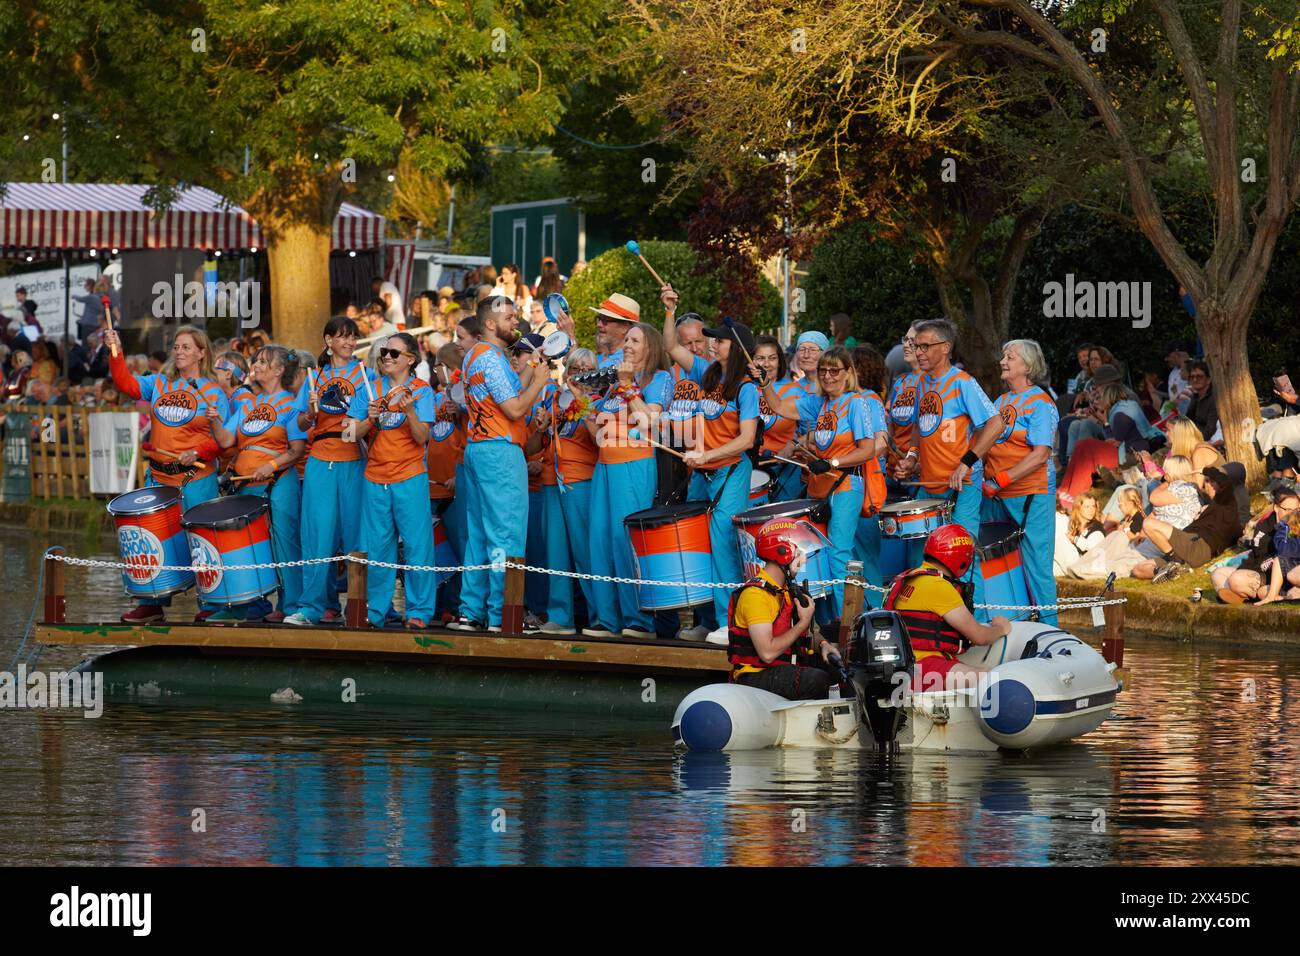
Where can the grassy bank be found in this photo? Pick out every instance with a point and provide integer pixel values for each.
(59, 516)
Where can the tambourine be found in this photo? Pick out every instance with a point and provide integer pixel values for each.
(556, 345)
(553, 305)
(457, 393)
(596, 380)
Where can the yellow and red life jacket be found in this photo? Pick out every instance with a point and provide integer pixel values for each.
(926, 630)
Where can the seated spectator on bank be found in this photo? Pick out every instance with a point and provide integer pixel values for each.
(1076, 533)
(1151, 395)
(1080, 381)
(1278, 439)
(20, 372)
(1284, 567)
(59, 392)
(1083, 420)
(1177, 387)
(1118, 553)
(1131, 440)
(1203, 409)
(1244, 580)
(1217, 527)
(1099, 355)
(45, 361)
(1175, 501)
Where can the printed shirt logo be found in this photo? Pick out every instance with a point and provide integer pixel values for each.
(207, 563)
(931, 413)
(713, 404)
(686, 400)
(337, 396)
(258, 420)
(389, 419)
(177, 407)
(824, 430)
(1009, 413)
(904, 406)
(442, 429)
(766, 413)
(141, 550)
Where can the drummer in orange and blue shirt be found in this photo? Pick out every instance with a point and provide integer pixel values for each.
(537, 420)
(954, 428)
(901, 401)
(445, 457)
(723, 430)
(778, 432)
(270, 443)
(184, 452)
(1018, 470)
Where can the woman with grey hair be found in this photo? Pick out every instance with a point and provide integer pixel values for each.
(1018, 469)
(567, 469)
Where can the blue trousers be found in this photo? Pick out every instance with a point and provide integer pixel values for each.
(842, 529)
(618, 490)
(496, 522)
(866, 548)
(387, 510)
(539, 530)
(286, 536)
(568, 547)
(733, 498)
(1037, 515)
(787, 483)
(192, 493)
(330, 524)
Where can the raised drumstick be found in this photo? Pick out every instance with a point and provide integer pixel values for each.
(634, 248)
(635, 435)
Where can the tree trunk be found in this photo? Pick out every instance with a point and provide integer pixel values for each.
(1224, 338)
(299, 256)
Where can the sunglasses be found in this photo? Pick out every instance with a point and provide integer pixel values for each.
(392, 353)
(831, 371)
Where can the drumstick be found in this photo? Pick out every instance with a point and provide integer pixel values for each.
(635, 435)
(730, 323)
(108, 314)
(365, 377)
(634, 248)
(311, 387)
(145, 446)
(924, 484)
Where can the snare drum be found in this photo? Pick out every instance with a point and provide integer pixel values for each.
(914, 519)
(149, 537)
(231, 531)
(893, 555)
(556, 345)
(672, 544)
(760, 486)
(816, 510)
(1004, 575)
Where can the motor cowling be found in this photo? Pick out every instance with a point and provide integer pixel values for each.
(879, 653)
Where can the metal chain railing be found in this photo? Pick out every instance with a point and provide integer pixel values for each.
(1065, 603)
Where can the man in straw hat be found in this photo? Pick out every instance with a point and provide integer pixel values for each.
(614, 318)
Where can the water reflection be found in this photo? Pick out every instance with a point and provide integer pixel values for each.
(1202, 770)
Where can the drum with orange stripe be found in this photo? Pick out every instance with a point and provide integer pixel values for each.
(815, 510)
(672, 544)
(1004, 576)
(231, 531)
(150, 537)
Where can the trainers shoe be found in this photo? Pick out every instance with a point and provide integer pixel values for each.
(297, 619)
(224, 615)
(145, 614)
(532, 623)
(597, 632)
(493, 628)
(638, 633)
(550, 627)
(697, 633)
(719, 636)
(1169, 572)
(466, 624)
(331, 616)
(202, 616)
(275, 617)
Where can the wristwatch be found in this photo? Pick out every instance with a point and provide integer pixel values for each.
(835, 463)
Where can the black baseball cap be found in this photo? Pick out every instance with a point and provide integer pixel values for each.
(737, 331)
(527, 343)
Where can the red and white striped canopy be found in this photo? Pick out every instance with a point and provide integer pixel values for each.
(113, 215)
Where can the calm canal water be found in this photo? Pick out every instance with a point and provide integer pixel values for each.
(1204, 768)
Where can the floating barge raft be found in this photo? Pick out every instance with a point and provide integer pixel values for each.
(435, 668)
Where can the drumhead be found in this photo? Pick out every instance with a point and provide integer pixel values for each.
(759, 479)
(557, 344)
(457, 393)
(224, 514)
(915, 506)
(553, 305)
(564, 400)
(815, 509)
(668, 514)
(144, 501)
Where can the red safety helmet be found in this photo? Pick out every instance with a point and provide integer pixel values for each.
(779, 539)
(951, 546)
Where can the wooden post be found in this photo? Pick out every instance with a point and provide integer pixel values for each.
(1112, 644)
(57, 453)
(74, 460)
(56, 605)
(512, 611)
(854, 595)
(356, 612)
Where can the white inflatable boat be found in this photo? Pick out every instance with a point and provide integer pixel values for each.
(1043, 686)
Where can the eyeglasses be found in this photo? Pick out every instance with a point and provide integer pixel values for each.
(1195, 375)
(808, 350)
(392, 353)
(831, 371)
(924, 347)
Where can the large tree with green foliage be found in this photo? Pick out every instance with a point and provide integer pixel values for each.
(326, 96)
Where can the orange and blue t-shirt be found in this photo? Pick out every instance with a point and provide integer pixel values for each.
(902, 408)
(179, 415)
(949, 410)
(612, 419)
(446, 447)
(777, 431)
(1029, 420)
(718, 419)
(489, 382)
(263, 428)
(394, 454)
(836, 426)
(337, 386)
(570, 451)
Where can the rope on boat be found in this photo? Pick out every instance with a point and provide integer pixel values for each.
(1065, 603)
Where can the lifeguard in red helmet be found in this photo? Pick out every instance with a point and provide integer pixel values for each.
(939, 619)
(768, 618)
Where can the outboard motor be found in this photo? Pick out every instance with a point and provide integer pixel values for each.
(880, 651)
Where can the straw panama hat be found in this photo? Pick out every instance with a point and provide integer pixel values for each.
(619, 307)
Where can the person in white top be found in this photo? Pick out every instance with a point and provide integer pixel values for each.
(392, 299)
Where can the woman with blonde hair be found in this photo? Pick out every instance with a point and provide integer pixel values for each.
(180, 431)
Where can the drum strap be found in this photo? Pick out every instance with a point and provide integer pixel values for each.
(171, 467)
(324, 435)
